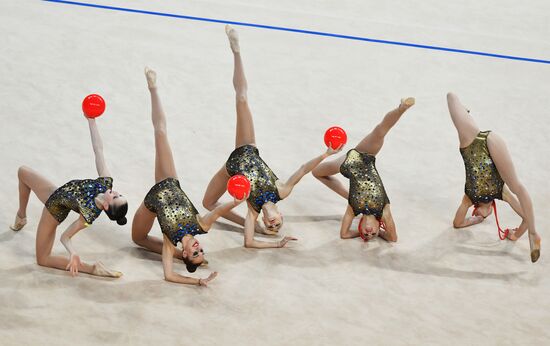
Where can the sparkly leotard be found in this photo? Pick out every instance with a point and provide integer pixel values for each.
(366, 192)
(483, 182)
(78, 195)
(176, 215)
(246, 160)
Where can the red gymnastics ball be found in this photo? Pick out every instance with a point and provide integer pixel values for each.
(336, 137)
(238, 186)
(93, 106)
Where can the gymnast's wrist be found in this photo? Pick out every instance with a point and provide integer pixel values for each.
(199, 283)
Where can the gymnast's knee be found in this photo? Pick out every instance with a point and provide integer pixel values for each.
(316, 173)
(22, 170)
(138, 238)
(42, 261)
(241, 97)
(208, 203)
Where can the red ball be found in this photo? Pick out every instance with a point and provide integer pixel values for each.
(335, 136)
(93, 106)
(238, 186)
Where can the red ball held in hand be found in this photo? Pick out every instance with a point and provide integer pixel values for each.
(238, 186)
(335, 136)
(93, 106)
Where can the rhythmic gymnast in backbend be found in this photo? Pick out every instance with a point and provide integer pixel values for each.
(178, 218)
(366, 194)
(88, 197)
(266, 188)
(490, 175)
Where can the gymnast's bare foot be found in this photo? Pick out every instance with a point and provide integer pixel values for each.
(19, 223)
(407, 103)
(534, 243)
(151, 78)
(101, 270)
(233, 38)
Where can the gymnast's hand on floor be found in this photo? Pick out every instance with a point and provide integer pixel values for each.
(74, 264)
(285, 240)
(473, 220)
(204, 282)
(512, 235)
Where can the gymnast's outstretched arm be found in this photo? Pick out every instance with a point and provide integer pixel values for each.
(286, 188)
(209, 218)
(97, 144)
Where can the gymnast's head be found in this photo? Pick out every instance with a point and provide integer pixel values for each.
(369, 227)
(115, 206)
(193, 254)
(272, 217)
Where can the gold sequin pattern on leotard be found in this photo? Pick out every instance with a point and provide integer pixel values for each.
(366, 191)
(79, 196)
(246, 160)
(176, 215)
(483, 182)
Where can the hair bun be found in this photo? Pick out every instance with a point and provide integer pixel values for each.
(191, 267)
(122, 221)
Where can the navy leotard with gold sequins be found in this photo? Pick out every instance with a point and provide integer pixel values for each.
(79, 196)
(483, 182)
(366, 192)
(176, 215)
(246, 160)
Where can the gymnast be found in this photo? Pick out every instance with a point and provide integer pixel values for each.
(266, 188)
(178, 218)
(366, 194)
(490, 175)
(87, 197)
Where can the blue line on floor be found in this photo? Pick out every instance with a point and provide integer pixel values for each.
(307, 32)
